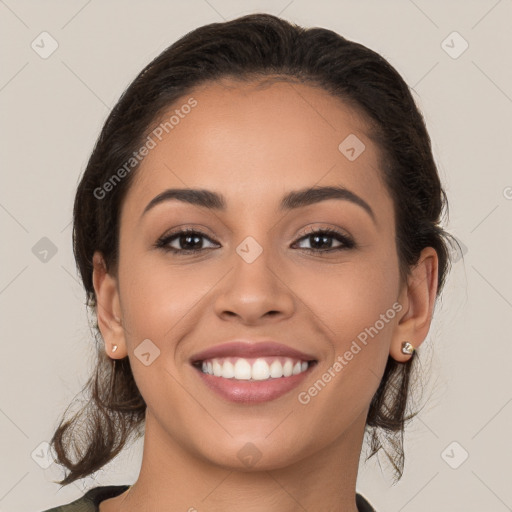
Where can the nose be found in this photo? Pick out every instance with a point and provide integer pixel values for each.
(254, 292)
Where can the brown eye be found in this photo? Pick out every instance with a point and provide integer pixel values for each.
(321, 240)
(188, 241)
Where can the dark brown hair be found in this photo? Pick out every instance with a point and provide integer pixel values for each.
(253, 47)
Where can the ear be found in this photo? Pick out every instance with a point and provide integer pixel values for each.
(417, 298)
(108, 308)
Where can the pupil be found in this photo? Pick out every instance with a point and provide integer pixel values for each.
(184, 240)
(324, 238)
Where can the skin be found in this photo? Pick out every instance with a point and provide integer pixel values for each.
(254, 144)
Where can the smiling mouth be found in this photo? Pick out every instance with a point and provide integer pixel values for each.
(254, 369)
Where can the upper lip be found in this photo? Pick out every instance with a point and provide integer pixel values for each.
(246, 348)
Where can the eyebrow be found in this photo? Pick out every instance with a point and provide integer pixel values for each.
(291, 201)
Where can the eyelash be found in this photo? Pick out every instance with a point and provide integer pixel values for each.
(163, 242)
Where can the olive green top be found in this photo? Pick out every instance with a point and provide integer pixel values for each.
(90, 501)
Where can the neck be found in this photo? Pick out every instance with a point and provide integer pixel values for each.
(172, 478)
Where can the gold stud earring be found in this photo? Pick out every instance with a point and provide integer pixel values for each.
(407, 348)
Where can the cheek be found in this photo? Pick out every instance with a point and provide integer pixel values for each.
(350, 298)
(157, 298)
(358, 310)
(367, 307)
(159, 303)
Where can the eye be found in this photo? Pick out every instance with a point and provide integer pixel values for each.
(188, 238)
(320, 238)
(189, 241)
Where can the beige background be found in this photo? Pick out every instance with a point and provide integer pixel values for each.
(52, 111)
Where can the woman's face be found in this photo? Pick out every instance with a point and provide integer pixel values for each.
(252, 277)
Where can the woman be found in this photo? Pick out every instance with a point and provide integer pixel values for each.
(258, 233)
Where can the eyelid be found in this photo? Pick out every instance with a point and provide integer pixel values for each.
(311, 230)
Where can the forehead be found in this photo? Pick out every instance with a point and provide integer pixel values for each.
(254, 141)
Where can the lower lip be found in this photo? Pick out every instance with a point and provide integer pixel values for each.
(245, 391)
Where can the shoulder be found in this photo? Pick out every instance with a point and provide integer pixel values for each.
(90, 501)
(363, 505)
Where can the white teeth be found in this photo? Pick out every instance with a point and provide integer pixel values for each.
(287, 368)
(276, 370)
(255, 369)
(260, 370)
(228, 370)
(242, 370)
(217, 368)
